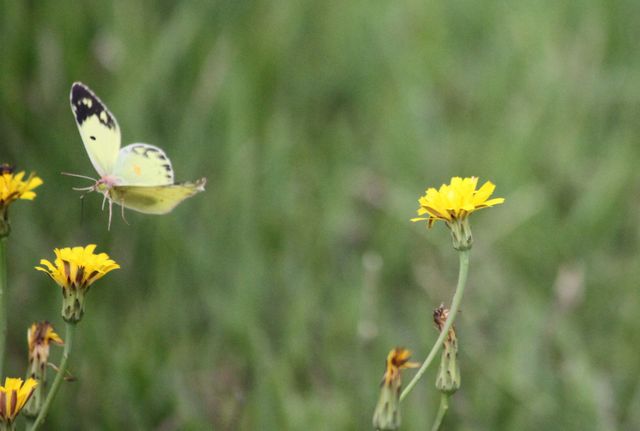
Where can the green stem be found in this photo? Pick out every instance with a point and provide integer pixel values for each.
(442, 410)
(453, 311)
(62, 369)
(3, 294)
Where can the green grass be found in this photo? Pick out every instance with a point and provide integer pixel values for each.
(318, 125)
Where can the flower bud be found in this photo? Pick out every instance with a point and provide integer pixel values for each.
(387, 413)
(448, 378)
(39, 336)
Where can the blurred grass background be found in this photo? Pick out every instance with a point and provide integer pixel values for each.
(270, 301)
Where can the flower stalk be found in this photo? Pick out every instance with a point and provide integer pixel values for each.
(442, 411)
(3, 299)
(453, 311)
(62, 369)
(13, 186)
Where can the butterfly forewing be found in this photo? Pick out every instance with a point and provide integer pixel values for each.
(143, 165)
(98, 128)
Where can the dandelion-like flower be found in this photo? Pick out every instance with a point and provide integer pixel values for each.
(13, 396)
(387, 413)
(75, 270)
(453, 203)
(39, 336)
(13, 187)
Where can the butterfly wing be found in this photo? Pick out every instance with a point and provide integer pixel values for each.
(155, 199)
(98, 128)
(143, 165)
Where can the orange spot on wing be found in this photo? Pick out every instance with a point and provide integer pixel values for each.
(137, 170)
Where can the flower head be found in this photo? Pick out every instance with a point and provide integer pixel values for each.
(453, 202)
(13, 187)
(75, 270)
(397, 359)
(39, 337)
(387, 413)
(13, 396)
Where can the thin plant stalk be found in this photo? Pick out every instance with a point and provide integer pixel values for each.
(453, 311)
(3, 300)
(62, 369)
(442, 410)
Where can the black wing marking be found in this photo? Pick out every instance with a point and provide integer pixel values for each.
(85, 103)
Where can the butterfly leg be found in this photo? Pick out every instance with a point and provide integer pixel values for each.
(104, 199)
(122, 206)
(110, 212)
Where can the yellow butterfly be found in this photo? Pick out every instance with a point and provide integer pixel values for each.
(138, 176)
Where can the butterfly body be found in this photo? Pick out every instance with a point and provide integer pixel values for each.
(138, 176)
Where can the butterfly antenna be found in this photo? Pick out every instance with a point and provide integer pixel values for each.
(78, 176)
(84, 189)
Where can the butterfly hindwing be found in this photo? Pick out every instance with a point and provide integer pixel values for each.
(98, 128)
(143, 165)
(155, 199)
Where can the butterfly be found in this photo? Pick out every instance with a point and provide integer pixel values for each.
(139, 176)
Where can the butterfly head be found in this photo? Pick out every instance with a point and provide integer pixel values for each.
(104, 184)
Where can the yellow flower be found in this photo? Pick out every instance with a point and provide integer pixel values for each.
(13, 396)
(77, 267)
(456, 200)
(453, 202)
(397, 359)
(39, 336)
(75, 270)
(13, 187)
(387, 413)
